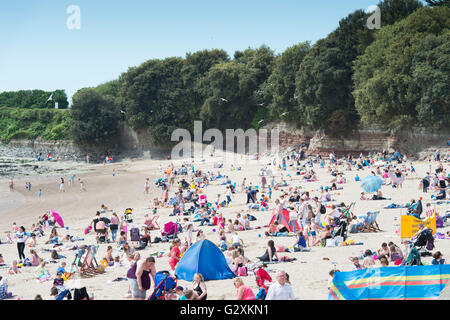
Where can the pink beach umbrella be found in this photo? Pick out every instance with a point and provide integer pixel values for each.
(58, 218)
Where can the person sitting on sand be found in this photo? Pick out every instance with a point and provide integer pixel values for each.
(199, 287)
(326, 234)
(300, 242)
(55, 256)
(243, 292)
(383, 261)
(368, 261)
(363, 197)
(356, 265)
(378, 196)
(108, 256)
(270, 253)
(14, 269)
(277, 230)
(42, 273)
(384, 250)
(53, 238)
(395, 253)
(438, 258)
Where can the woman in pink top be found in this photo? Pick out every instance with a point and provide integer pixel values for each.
(243, 292)
(34, 258)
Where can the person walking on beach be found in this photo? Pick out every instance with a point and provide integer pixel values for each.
(22, 237)
(82, 188)
(146, 186)
(61, 186)
(11, 184)
(139, 277)
(40, 194)
(280, 290)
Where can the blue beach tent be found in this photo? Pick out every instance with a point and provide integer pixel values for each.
(205, 258)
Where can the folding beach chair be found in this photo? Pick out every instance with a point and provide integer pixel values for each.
(371, 221)
(348, 211)
(73, 268)
(87, 268)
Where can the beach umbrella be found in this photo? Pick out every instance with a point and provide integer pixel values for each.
(58, 218)
(371, 183)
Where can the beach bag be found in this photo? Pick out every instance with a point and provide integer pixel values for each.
(331, 243)
(338, 241)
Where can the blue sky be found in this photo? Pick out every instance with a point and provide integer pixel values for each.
(38, 51)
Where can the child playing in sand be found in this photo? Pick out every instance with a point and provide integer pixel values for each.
(42, 273)
(14, 269)
(368, 261)
(62, 268)
(356, 265)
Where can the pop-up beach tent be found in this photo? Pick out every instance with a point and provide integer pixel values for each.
(283, 219)
(205, 258)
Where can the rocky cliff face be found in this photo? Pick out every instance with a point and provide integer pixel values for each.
(415, 141)
(131, 143)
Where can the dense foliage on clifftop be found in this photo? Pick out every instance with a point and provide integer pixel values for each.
(393, 77)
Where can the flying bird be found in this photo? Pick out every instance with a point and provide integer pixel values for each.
(225, 100)
(295, 97)
(261, 104)
(284, 113)
(50, 98)
(121, 111)
(260, 121)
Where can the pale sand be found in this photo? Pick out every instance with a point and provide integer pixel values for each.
(125, 189)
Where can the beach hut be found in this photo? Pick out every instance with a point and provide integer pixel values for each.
(205, 258)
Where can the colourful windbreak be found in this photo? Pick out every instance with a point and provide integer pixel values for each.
(388, 283)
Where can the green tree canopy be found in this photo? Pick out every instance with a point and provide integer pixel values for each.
(324, 82)
(93, 118)
(32, 99)
(385, 92)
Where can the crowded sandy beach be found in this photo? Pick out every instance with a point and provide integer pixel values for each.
(298, 217)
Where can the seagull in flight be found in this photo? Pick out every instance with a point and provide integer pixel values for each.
(284, 113)
(224, 100)
(121, 111)
(261, 104)
(260, 121)
(295, 97)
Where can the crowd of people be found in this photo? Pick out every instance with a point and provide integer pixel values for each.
(312, 219)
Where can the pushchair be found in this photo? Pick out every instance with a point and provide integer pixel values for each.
(424, 239)
(135, 237)
(342, 229)
(171, 230)
(128, 215)
(164, 284)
